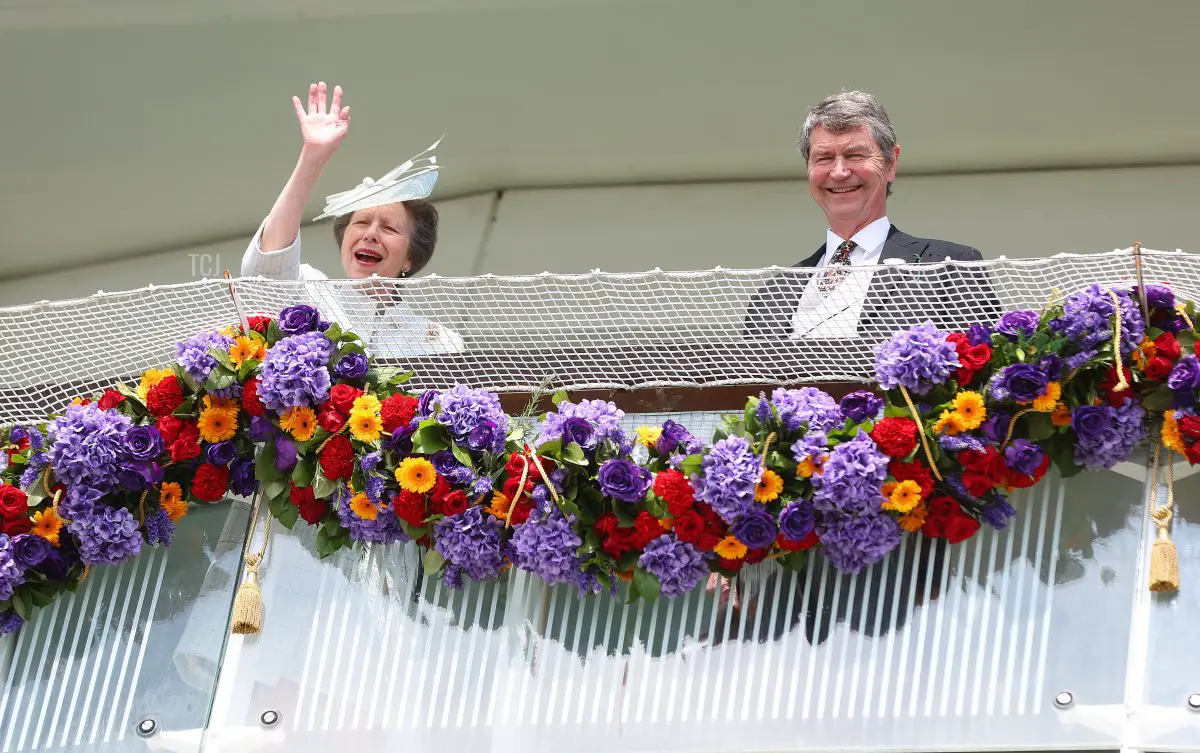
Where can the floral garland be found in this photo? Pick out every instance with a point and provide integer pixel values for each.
(295, 407)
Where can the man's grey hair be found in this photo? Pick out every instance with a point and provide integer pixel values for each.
(841, 112)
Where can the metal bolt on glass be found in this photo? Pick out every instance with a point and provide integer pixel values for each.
(269, 718)
(1064, 700)
(147, 727)
(1193, 702)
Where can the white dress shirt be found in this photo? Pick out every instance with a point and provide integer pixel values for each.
(836, 314)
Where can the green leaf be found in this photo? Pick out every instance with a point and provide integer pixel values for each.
(1158, 400)
(430, 439)
(1187, 341)
(221, 357)
(647, 585)
(433, 562)
(264, 464)
(691, 464)
(351, 347)
(327, 545)
(573, 454)
(551, 449)
(21, 604)
(276, 488)
(332, 527)
(462, 455)
(283, 510)
(1039, 426)
(334, 331)
(40, 598)
(303, 473)
(220, 378)
(186, 408)
(1020, 354)
(558, 397)
(323, 488)
(656, 506)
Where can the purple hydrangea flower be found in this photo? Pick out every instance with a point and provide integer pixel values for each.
(471, 540)
(351, 366)
(1023, 456)
(89, 446)
(755, 528)
(918, 359)
(299, 319)
(483, 486)
(548, 548)
(676, 564)
(1159, 297)
(11, 575)
(813, 445)
(159, 529)
(807, 405)
(10, 621)
(295, 372)
(1105, 435)
(1087, 320)
(605, 416)
(852, 542)
(1022, 382)
(192, 354)
(109, 536)
(623, 480)
(143, 443)
(728, 476)
(384, 529)
(452, 576)
(464, 410)
(860, 406)
(852, 478)
(797, 520)
(79, 502)
(1017, 324)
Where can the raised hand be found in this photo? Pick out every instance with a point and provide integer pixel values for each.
(321, 129)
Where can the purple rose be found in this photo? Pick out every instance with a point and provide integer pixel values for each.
(285, 453)
(29, 550)
(1016, 324)
(1024, 382)
(1091, 420)
(673, 435)
(979, 334)
(241, 477)
(221, 453)
(861, 405)
(138, 476)
(444, 462)
(622, 480)
(143, 443)
(487, 435)
(1023, 456)
(1185, 377)
(1053, 367)
(425, 403)
(580, 431)
(996, 427)
(756, 528)
(797, 520)
(351, 366)
(261, 429)
(296, 320)
(58, 562)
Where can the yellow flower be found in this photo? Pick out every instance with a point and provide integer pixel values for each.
(416, 475)
(499, 506)
(1048, 400)
(365, 427)
(806, 468)
(915, 518)
(904, 497)
(730, 548)
(768, 487)
(247, 349)
(363, 507)
(170, 499)
(217, 425)
(300, 422)
(47, 524)
(1171, 438)
(1061, 416)
(229, 331)
(366, 403)
(224, 404)
(648, 435)
(151, 378)
(969, 408)
(950, 423)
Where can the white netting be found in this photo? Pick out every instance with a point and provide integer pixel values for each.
(579, 331)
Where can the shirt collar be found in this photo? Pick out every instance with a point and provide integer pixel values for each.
(870, 239)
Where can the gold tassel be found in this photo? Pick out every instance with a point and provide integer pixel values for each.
(1164, 559)
(248, 604)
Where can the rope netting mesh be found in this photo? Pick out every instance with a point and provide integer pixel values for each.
(783, 326)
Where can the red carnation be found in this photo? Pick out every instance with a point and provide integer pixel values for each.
(342, 397)
(186, 445)
(689, 527)
(1168, 347)
(730, 566)
(755, 556)
(619, 542)
(410, 507)
(312, 510)
(210, 482)
(972, 357)
(337, 458)
(896, 436)
(13, 502)
(16, 527)
(164, 397)
(648, 529)
(397, 411)
(673, 486)
(914, 471)
(110, 399)
(331, 421)
(1158, 369)
(250, 402)
(605, 524)
(787, 545)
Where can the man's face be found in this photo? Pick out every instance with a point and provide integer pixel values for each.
(848, 176)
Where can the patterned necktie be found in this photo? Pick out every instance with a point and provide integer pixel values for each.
(837, 266)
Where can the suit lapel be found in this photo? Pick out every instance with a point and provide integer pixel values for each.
(901, 245)
(813, 260)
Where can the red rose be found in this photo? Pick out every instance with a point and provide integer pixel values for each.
(187, 445)
(13, 502)
(1022, 481)
(914, 471)
(510, 487)
(972, 357)
(250, 402)
(16, 526)
(312, 510)
(647, 528)
(441, 489)
(259, 324)
(946, 520)
(342, 397)
(808, 542)
(21, 447)
(169, 427)
(410, 507)
(331, 421)
(1158, 369)
(961, 527)
(619, 542)
(1189, 428)
(164, 397)
(455, 502)
(1116, 399)
(689, 527)
(989, 463)
(730, 566)
(1192, 453)
(673, 487)
(110, 399)
(1196, 347)
(605, 524)
(521, 512)
(1168, 347)
(896, 436)
(397, 411)
(337, 458)
(210, 482)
